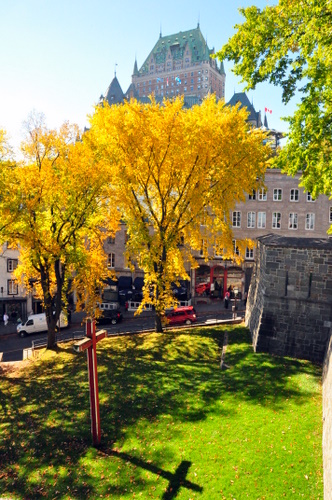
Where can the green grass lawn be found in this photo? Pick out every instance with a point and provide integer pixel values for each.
(174, 425)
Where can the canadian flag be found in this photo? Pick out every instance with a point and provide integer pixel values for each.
(267, 110)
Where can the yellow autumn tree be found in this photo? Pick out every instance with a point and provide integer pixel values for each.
(5, 149)
(55, 208)
(177, 173)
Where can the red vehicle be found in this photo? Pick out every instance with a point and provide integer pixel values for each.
(202, 288)
(184, 315)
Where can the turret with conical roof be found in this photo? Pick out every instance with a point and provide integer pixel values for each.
(265, 122)
(241, 98)
(114, 94)
(135, 72)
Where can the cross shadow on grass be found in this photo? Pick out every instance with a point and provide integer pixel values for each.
(176, 480)
(45, 442)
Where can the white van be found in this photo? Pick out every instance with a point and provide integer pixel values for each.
(37, 323)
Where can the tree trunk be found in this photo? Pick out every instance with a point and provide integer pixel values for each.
(52, 314)
(158, 323)
(51, 325)
(159, 269)
(51, 335)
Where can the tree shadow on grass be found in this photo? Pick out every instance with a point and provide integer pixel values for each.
(46, 417)
(263, 378)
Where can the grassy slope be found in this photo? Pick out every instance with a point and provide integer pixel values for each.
(173, 423)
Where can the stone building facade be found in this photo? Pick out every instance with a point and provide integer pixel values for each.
(282, 209)
(13, 299)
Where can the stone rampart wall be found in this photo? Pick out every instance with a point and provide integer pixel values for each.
(289, 309)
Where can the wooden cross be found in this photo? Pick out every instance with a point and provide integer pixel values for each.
(89, 344)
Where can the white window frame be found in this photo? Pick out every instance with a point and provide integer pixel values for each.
(252, 196)
(218, 252)
(12, 287)
(111, 260)
(277, 194)
(294, 195)
(251, 220)
(261, 220)
(310, 198)
(262, 194)
(236, 219)
(293, 221)
(310, 222)
(276, 220)
(249, 253)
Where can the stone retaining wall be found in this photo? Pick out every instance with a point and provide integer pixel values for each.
(289, 308)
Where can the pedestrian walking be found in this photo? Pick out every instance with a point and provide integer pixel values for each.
(5, 319)
(226, 299)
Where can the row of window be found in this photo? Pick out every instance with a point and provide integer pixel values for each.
(249, 253)
(178, 83)
(294, 195)
(185, 89)
(276, 220)
(173, 78)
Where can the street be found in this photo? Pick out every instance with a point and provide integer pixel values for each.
(12, 345)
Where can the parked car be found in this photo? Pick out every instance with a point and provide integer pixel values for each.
(181, 315)
(202, 289)
(181, 291)
(112, 316)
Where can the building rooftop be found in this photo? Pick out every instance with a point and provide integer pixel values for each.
(175, 45)
(242, 98)
(274, 240)
(114, 94)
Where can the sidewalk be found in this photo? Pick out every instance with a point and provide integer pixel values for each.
(202, 306)
(10, 329)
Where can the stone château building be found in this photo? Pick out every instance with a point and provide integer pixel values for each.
(181, 64)
(178, 64)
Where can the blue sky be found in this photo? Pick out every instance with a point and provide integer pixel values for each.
(58, 56)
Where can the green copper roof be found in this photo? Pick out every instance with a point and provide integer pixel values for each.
(222, 69)
(177, 44)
